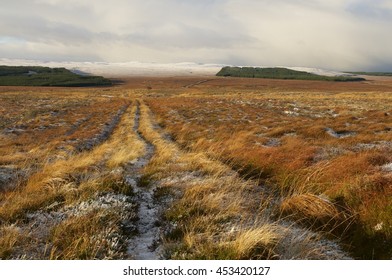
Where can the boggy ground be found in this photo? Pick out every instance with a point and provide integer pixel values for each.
(197, 168)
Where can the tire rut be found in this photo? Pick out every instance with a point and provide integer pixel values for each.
(144, 245)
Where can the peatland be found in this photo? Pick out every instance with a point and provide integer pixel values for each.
(197, 168)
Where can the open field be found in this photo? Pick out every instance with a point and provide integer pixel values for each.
(197, 168)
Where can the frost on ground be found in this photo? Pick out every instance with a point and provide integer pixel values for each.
(8, 177)
(39, 225)
(299, 244)
(145, 245)
(387, 167)
(104, 134)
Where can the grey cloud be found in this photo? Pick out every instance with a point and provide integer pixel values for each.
(349, 34)
(190, 37)
(36, 29)
(373, 10)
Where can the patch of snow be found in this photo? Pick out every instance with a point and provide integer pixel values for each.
(379, 226)
(374, 145)
(387, 167)
(291, 113)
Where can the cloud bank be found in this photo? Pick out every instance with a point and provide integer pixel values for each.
(342, 35)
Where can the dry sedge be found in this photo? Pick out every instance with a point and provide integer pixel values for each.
(315, 211)
(9, 236)
(304, 139)
(85, 237)
(217, 215)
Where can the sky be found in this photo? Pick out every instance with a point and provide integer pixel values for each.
(333, 34)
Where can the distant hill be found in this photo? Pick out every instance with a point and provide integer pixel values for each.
(45, 76)
(280, 73)
(386, 74)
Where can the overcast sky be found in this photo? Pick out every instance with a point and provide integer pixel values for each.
(333, 34)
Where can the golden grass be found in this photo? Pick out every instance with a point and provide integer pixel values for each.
(56, 121)
(212, 202)
(315, 212)
(85, 237)
(242, 244)
(56, 180)
(280, 137)
(9, 236)
(257, 243)
(69, 181)
(275, 132)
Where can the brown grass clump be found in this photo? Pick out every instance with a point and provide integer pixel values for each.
(86, 237)
(256, 243)
(9, 237)
(314, 211)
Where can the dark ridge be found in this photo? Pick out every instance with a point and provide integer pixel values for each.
(386, 74)
(280, 73)
(45, 76)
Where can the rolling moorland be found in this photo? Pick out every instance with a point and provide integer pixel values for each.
(197, 168)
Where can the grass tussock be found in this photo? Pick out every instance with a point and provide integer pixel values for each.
(9, 236)
(85, 237)
(256, 243)
(316, 212)
(244, 244)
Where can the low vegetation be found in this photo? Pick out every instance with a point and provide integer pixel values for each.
(71, 201)
(45, 76)
(280, 73)
(217, 213)
(325, 151)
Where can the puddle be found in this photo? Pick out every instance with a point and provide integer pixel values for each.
(339, 134)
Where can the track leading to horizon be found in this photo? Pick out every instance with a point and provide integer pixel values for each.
(224, 169)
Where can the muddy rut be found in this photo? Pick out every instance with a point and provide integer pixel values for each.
(144, 245)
